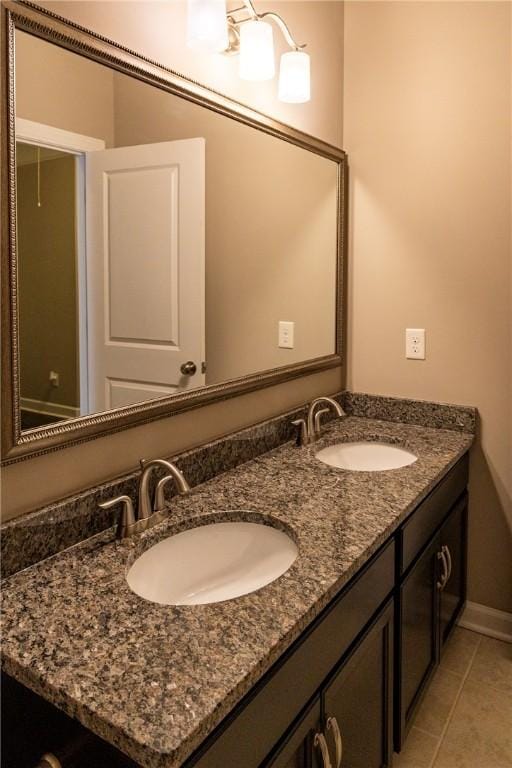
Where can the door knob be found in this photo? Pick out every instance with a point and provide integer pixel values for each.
(188, 368)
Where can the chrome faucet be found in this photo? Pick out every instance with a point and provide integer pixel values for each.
(310, 428)
(147, 516)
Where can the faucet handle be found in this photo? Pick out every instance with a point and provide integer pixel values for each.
(318, 416)
(159, 504)
(302, 432)
(127, 515)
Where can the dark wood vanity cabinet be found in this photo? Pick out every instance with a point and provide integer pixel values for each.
(340, 667)
(31, 727)
(353, 712)
(297, 749)
(360, 698)
(431, 591)
(418, 625)
(452, 597)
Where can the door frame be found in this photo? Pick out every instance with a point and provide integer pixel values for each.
(76, 144)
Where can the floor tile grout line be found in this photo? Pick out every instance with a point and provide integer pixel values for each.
(427, 733)
(450, 672)
(452, 709)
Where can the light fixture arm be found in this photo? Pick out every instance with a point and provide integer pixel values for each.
(284, 29)
(247, 8)
(248, 4)
(252, 15)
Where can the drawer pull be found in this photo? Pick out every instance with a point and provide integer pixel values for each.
(49, 760)
(441, 584)
(449, 558)
(321, 744)
(332, 725)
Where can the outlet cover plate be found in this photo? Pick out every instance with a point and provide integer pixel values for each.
(415, 343)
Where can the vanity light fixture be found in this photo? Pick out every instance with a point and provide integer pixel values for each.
(294, 77)
(256, 51)
(206, 26)
(245, 31)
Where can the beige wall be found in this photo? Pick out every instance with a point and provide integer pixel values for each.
(157, 30)
(47, 281)
(270, 232)
(68, 92)
(427, 103)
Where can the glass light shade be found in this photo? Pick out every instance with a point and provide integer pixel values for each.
(207, 28)
(256, 51)
(294, 78)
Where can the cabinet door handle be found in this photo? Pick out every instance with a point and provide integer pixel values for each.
(320, 742)
(49, 760)
(449, 559)
(444, 576)
(332, 725)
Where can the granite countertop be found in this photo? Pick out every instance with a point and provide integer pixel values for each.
(155, 680)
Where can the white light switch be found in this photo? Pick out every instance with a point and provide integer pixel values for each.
(415, 343)
(286, 330)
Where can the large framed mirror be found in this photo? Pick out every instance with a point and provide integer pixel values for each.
(163, 246)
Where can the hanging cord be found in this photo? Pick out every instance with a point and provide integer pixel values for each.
(39, 177)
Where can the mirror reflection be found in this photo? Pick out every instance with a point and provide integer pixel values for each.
(161, 246)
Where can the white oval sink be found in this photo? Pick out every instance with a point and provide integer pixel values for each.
(366, 456)
(212, 563)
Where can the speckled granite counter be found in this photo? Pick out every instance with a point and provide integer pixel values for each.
(155, 680)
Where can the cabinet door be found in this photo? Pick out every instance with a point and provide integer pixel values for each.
(32, 727)
(360, 698)
(417, 635)
(296, 749)
(453, 539)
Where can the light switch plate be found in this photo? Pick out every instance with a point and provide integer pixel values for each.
(415, 343)
(286, 333)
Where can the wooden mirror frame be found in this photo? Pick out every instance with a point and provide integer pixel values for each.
(17, 445)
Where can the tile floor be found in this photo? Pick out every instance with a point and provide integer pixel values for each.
(465, 719)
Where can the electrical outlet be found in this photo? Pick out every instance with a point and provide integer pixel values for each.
(415, 343)
(54, 379)
(286, 332)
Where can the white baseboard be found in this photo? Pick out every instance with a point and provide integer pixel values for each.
(487, 621)
(49, 409)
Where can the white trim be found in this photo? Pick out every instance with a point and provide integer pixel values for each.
(487, 621)
(49, 409)
(56, 138)
(81, 284)
(76, 144)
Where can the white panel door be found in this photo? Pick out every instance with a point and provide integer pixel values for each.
(145, 214)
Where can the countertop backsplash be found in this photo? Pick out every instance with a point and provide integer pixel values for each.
(46, 531)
